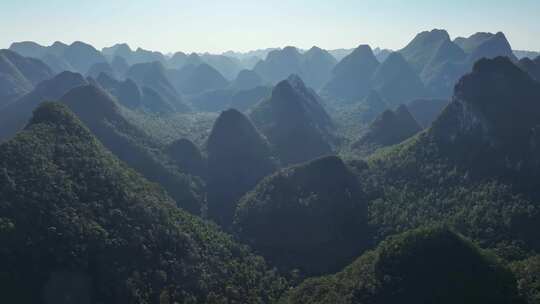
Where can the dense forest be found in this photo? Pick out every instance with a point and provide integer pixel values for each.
(282, 176)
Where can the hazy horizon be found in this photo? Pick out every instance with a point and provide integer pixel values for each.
(215, 26)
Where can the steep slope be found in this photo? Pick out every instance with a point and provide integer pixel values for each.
(294, 122)
(317, 65)
(351, 77)
(371, 107)
(120, 49)
(101, 115)
(19, 75)
(129, 94)
(57, 48)
(390, 128)
(425, 111)
(244, 91)
(397, 82)
(497, 102)
(226, 66)
(77, 57)
(177, 60)
(194, 60)
(154, 102)
(247, 99)
(82, 56)
(495, 46)
(133, 57)
(311, 217)
(238, 158)
(531, 66)
(57, 64)
(279, 64)
(472, 42)
(420, 51)
(246, 80)
(381, 54)
(528, 274)
(119, 65)
(101, 67)
(475, 169)
(98, 232)
(314, 66)
(444, 69)
(143, 56)
(421, 266)
(202, 78)
(187, 156)
(339, 54)
(28, 49)
(153, 75)
(15, 116)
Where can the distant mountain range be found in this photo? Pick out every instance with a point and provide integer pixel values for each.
(436, 59)
(275, 176)
(19, 75)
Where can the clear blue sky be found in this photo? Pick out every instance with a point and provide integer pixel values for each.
(220, 25)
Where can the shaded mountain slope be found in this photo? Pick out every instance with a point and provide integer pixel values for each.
(425, 111)
(130, 95)
(246, 80)
(351, 77)
(423, 48)
(15, 116)
(396, 81)
(430, 265)
(311, 217)
(202, 78)
(153, 75)
(294, 122)
(238, 158)
(476, 168)
(531, 66)
(19, 75)
(101, 115)
(98, 232)
(389, 128)
(279, 64)
(317, 65)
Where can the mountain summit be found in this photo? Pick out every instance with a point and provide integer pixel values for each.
(98, 230)
(294, 122)
(351, 77)
(238, 157)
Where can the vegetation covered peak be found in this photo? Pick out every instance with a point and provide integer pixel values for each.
(426, 265)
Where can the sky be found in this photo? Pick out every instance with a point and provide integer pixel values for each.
(220, 25)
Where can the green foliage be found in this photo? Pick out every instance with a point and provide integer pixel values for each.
(167, 128)
(188, 157)
(389, 128)
(153, 75)
(426, 265)
(238, 158)
(468, 170)
(295, 123)
(528, 276)
(415, 184)
(311, 217)
(78, 224)
(101, 115)
(350, 81)
(19, 75)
